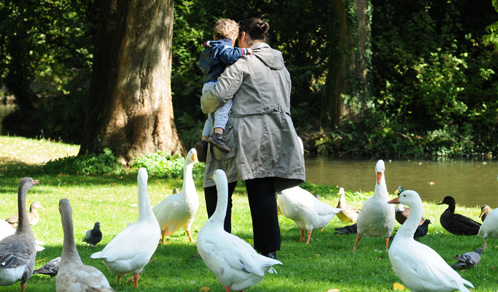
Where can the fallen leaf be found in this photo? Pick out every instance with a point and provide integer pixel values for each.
(39, 261)
(204, 289)
(398, 287)
(333, 290)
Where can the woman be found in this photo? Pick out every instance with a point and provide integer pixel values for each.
(266, 154)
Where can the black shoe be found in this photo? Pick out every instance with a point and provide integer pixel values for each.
(201, 148)
(271, 255)
(218, 141)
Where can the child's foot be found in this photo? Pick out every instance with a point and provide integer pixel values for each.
(218, 141)
(201, 148)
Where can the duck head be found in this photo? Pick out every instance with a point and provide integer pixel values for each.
(448, 200)
(380, 167)
(408, 197)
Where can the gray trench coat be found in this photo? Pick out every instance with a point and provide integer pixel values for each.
(259, 132)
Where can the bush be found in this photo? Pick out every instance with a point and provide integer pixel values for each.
(165, 165)
(103, 163)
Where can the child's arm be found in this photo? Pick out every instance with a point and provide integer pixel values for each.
(230, 55)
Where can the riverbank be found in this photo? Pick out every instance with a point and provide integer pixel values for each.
(326, 263)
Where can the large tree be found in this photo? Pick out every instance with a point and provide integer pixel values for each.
(130, 108)
(347, 82)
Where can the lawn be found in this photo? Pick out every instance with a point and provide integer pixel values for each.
(327, 263)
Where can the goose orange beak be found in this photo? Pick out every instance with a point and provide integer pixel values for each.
(394, 201)
(35, 182)
(194, 158)
(379, 177)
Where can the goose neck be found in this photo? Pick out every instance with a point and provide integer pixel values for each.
(69, 251)
(221, 205)
(144, 207)
(23, 221)
(412, 222)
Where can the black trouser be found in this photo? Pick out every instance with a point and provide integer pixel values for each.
(263, 205)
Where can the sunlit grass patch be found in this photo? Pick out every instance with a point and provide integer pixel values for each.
(328, 262)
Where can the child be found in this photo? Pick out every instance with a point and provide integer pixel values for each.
(217, 55)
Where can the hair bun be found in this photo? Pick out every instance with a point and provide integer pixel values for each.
(263, 26)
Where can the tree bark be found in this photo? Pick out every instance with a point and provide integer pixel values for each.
(349, 63)
(130, 108)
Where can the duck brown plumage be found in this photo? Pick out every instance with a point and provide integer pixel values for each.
(457, 223)
(485, 209)
(349, 214)
(33, 216)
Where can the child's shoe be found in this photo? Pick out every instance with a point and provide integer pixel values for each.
(201, 148)
(218, 141)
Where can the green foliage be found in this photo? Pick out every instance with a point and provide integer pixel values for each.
(434, 80)
(103, 163)
(45, 60)
(165, 165)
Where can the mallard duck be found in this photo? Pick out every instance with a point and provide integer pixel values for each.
(401, 212)
(305, 210)
(33, 216)
(417, 265)
(131, 249)
(18, 251)
(93, 236)
(456, 223)
(349, 214)
(73, 275)
(468, 259)
(178, 210)
(234, 262)
(377, 217)
(485, 209)
(50, 269)
(489, 227)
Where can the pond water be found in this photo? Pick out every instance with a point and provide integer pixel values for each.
(471, 182)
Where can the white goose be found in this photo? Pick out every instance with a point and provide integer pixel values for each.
(305, 209)
(178, 210)
(234, 262)
(73, 275)
(131, 249)
(416, 264)
(18, 251)
(376, 218)
(489, 227)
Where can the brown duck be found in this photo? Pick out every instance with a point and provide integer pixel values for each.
(485, 209)
(33, 216)
(349, 213)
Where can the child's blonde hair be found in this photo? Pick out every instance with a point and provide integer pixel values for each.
(226, 29)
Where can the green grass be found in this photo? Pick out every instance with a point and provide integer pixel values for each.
(326, 263)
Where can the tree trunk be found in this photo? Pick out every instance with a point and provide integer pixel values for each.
(130, 108)
(348, 67)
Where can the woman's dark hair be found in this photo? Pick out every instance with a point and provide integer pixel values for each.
(256, 28)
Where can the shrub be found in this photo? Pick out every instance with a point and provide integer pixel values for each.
(103, 163)
(163, 164)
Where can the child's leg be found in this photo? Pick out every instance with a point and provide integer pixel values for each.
(221, 117)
